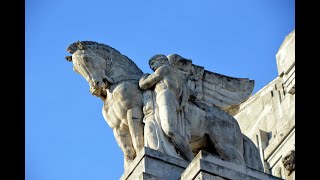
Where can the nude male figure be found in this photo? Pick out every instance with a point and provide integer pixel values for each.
(167, 84)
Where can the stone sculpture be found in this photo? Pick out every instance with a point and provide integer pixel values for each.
(178, 110)
(114, 78)
(278, 172)
(169, 88)
(289, 162)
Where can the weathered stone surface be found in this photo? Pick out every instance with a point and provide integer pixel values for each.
(288, 162)
(207, 166)
(180, 88)
(275, 142)
(271, 110)
(113, 78)
(268, 117)
(179, 110)
(286, 62)
(207, 176)
(152, 164)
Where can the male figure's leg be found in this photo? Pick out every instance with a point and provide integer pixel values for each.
(168, 105)
(124, 141)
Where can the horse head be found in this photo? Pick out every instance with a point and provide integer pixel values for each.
(101, 65)
(89, 63)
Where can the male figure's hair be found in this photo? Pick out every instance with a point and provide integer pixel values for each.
(158, 57)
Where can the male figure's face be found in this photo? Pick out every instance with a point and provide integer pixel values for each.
(156, 63)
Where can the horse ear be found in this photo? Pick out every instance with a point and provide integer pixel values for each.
(69, 58)
(80, 45)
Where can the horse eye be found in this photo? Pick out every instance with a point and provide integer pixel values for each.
(86, 59)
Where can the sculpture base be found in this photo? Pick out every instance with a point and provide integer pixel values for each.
(151, 164)
(206, 166)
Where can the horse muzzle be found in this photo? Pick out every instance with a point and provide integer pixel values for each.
(96, 87)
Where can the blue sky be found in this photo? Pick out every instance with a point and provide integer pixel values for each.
(66, 136)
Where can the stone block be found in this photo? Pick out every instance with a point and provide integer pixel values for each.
(286, 54)
(151, 164)
(207, 176)
(208, 166)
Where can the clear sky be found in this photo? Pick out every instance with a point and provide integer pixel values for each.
(66, 137)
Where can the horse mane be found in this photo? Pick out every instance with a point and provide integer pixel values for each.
(103, 49)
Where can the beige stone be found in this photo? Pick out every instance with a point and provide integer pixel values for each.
(286, 62)
(152, 164)
(268, 117)
(207, 166)
(114, 79)
(178, 110)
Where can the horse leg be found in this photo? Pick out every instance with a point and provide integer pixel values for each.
(134, 117)
(227, 140)
(229, 152)
(183, 146)
(124, 141)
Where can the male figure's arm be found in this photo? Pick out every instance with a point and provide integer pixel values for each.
(147, 81)
(184, 97)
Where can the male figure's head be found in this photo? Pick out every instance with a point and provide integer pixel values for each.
(157, 60)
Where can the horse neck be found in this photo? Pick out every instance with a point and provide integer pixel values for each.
(110, 70)
(120, 62)
(114, 70)
(117, 73)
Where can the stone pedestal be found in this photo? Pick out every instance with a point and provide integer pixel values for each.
(151, 164)
(206, 166)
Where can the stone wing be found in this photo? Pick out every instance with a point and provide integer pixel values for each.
(215, 89)
(224, 91)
